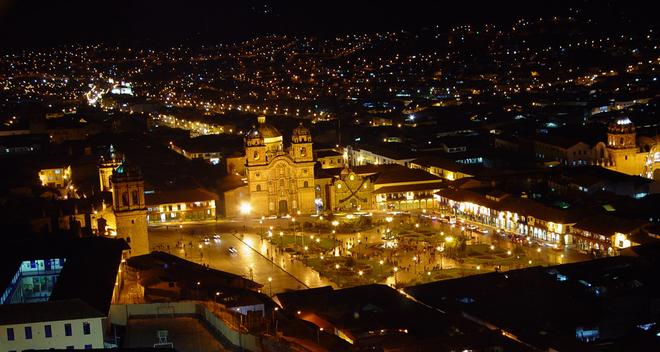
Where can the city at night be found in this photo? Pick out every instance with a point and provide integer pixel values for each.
(284, 176)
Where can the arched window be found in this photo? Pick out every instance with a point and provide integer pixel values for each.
(621, 140)
(305, 184)
(303, 151)
(258, 188)
(256, 155)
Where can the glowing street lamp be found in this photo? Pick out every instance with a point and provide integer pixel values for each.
(395, 271)
(270, 286)
(245, 208)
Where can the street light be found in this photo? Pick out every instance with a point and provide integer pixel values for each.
(415, 260)
(270, 286)
(293, 220)
(245, 208)
(395, 270)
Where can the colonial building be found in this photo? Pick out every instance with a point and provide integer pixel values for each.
(57, 294)
(279, 181)
(130, 207)
(621, 152)
(196, 204)
(56, 176)
(384, 187)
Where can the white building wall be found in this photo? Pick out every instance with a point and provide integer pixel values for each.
(59, 340)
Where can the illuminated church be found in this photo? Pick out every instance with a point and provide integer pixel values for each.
(279, 181)
(625, 153)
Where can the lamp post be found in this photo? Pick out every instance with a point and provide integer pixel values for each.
(395, 270)
(270, 286)
(442, 254)
(275, 318)
(216, 296)
(335, 223)
(198, 283)
(449, 240)
(281, 239)
(415, 264)
(318, 336)
(293, 221)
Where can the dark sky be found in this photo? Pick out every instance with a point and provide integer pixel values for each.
(37, 23)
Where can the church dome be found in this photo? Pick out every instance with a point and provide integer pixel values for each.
(254, 137)
(621, 125)
(267, 130)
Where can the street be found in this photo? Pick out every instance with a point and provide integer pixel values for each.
(251, 261)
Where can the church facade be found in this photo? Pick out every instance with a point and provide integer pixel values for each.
(625, 153)
(280, 181)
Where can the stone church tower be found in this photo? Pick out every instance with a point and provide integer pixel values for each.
(130, 208)
(624, 154)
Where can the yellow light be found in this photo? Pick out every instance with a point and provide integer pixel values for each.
(245, 208)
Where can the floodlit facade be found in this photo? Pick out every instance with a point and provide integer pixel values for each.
(279, 182)
(623, 152)
(130, 208)
(62, 334)
(58, 177)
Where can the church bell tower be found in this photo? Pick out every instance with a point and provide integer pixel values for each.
(130, 208)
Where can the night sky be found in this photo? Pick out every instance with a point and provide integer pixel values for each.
(38, 23)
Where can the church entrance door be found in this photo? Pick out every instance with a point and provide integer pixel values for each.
(283, 209)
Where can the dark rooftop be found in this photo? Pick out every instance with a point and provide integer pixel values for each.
(547, 306)
(87, 279)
